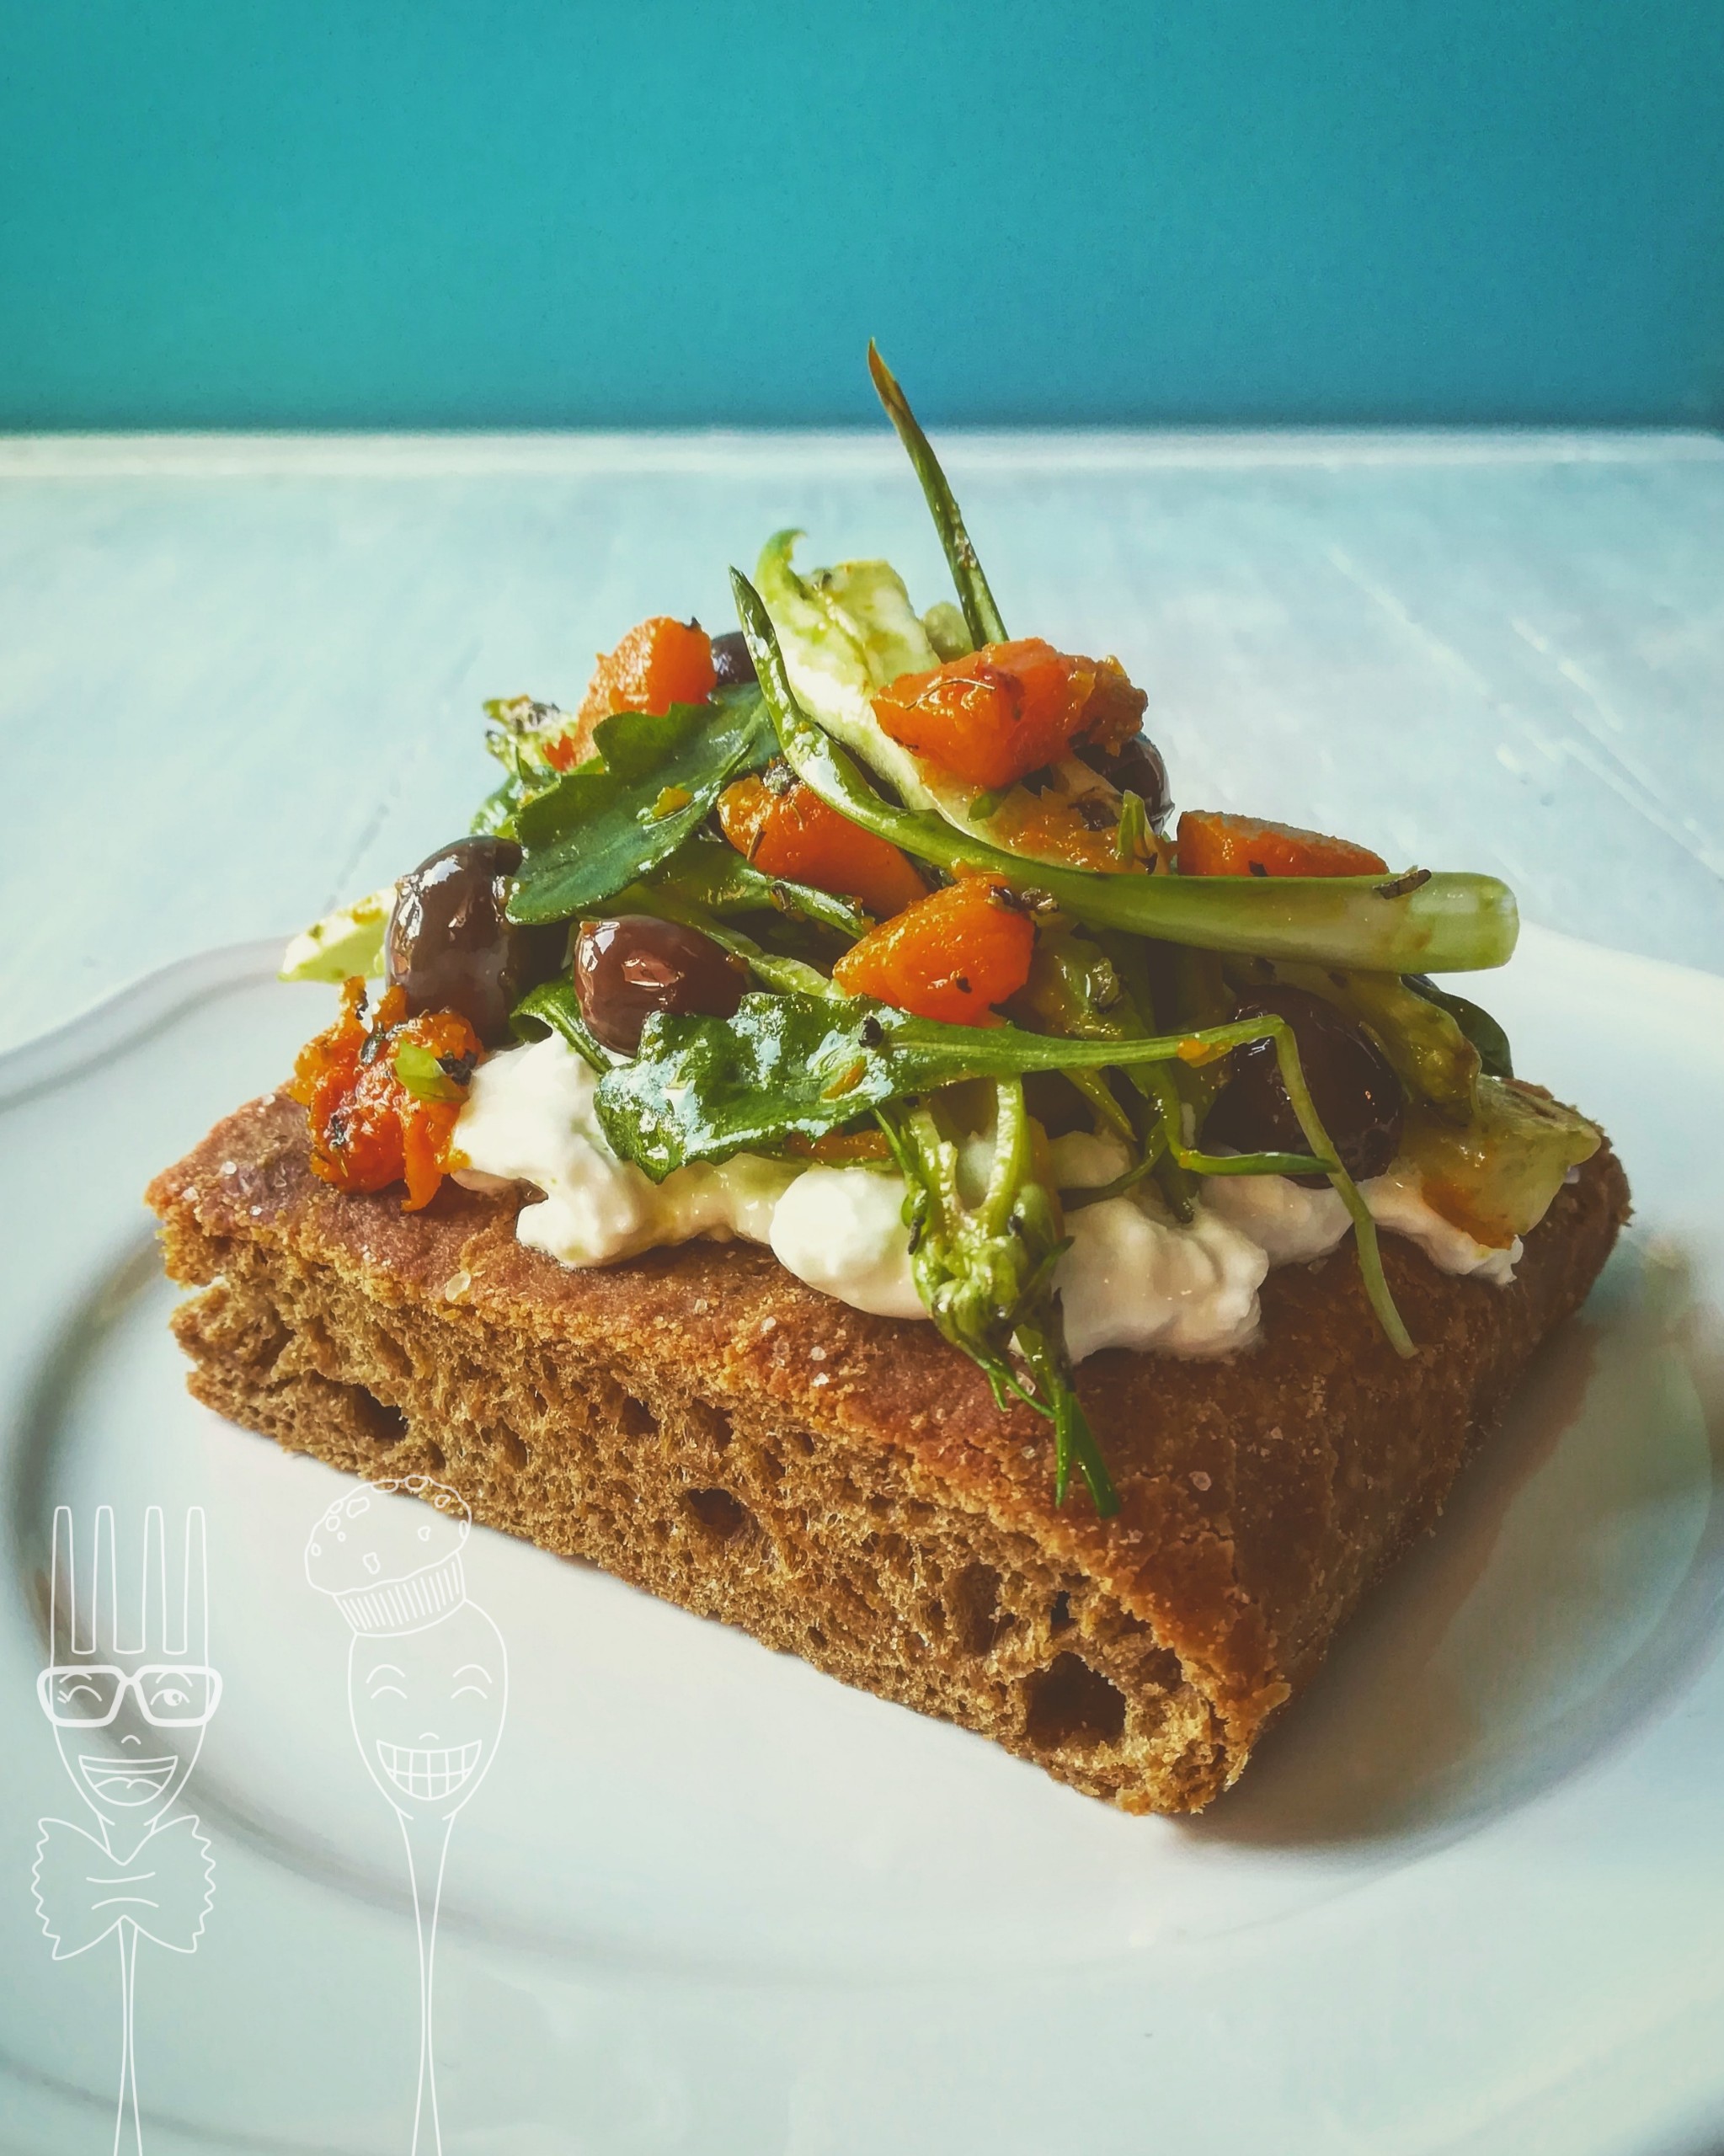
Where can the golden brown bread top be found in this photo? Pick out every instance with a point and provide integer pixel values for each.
(1257, 1494)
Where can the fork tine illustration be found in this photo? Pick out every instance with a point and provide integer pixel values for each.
(103, 1634)
(62, 1591)
(194, 1643)
(152, 1606)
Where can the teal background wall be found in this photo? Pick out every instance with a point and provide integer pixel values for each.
(543, 212)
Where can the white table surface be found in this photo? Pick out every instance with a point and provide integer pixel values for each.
(240, 677)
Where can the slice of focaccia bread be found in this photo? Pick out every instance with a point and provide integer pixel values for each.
(843, 1486)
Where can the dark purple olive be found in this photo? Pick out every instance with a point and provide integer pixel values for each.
(452, 947)
(1136, 768)
(1353, 1086)
(626, 969)
(731, 661)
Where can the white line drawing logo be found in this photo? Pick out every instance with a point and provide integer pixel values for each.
(427, 1686)
(129, 1710)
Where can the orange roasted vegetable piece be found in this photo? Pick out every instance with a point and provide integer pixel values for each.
(995, 714)
(659, 663)
(369, 1129)
(793, 833)
(949, 956)
(1212, 844)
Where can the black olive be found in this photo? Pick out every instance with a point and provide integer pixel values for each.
(626, 969)
(732, 662)
(1136, 768)
(1353, 1086)
(452, 947)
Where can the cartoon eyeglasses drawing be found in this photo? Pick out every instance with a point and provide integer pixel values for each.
(90, 1695)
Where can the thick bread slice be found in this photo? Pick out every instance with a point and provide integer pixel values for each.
(842, 1486)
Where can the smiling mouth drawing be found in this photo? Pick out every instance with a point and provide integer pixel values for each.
(127, 1781)
(428, 1775)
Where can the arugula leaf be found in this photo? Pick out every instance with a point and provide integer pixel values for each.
(712, 874)
(1454, 923)
(604, 824)
(422, 1073)
(554, 1007)
(702, 1089)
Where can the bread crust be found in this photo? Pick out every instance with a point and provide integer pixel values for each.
(842, 1485)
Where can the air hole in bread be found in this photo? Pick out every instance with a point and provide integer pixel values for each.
(382, 1424)
(716, 1512)
(976, 1616)
(709, 1423)
(512, 1449)
(389, 1352)
(319, 1347)
(1060, 1617)
(1071, 1707)
(434, 1455)
(1162, 1667)
(637, 1419)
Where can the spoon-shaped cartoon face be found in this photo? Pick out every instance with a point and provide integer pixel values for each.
(428, 1707)
(427, 1677)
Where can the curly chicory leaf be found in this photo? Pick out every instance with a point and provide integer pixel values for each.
(349, 941)
(606, 823)
(521, 735)
(1452, 922)
(1431, 1055)
(1496, 1177)
(1479, 1027)
(845, 634)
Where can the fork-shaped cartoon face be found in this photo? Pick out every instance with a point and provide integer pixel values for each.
(129, 1704)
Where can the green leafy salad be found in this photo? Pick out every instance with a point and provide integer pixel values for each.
(857, 885)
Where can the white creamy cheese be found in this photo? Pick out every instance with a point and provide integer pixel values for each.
(1289, 1224)
(1293, 1223)
(1397, 1202)
(529, 1118)
(842, 1230)
(1133, 1278)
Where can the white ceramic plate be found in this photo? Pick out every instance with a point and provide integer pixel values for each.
(1471, 1895)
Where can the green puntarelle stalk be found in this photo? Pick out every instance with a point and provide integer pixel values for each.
(984, 1273)
(980, 615)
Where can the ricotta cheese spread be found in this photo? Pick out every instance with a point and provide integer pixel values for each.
(1133, 1277)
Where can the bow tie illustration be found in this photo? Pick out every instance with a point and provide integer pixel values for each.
(83, 1893)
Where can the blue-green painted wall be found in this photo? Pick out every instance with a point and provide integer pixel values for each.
(546, 212)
